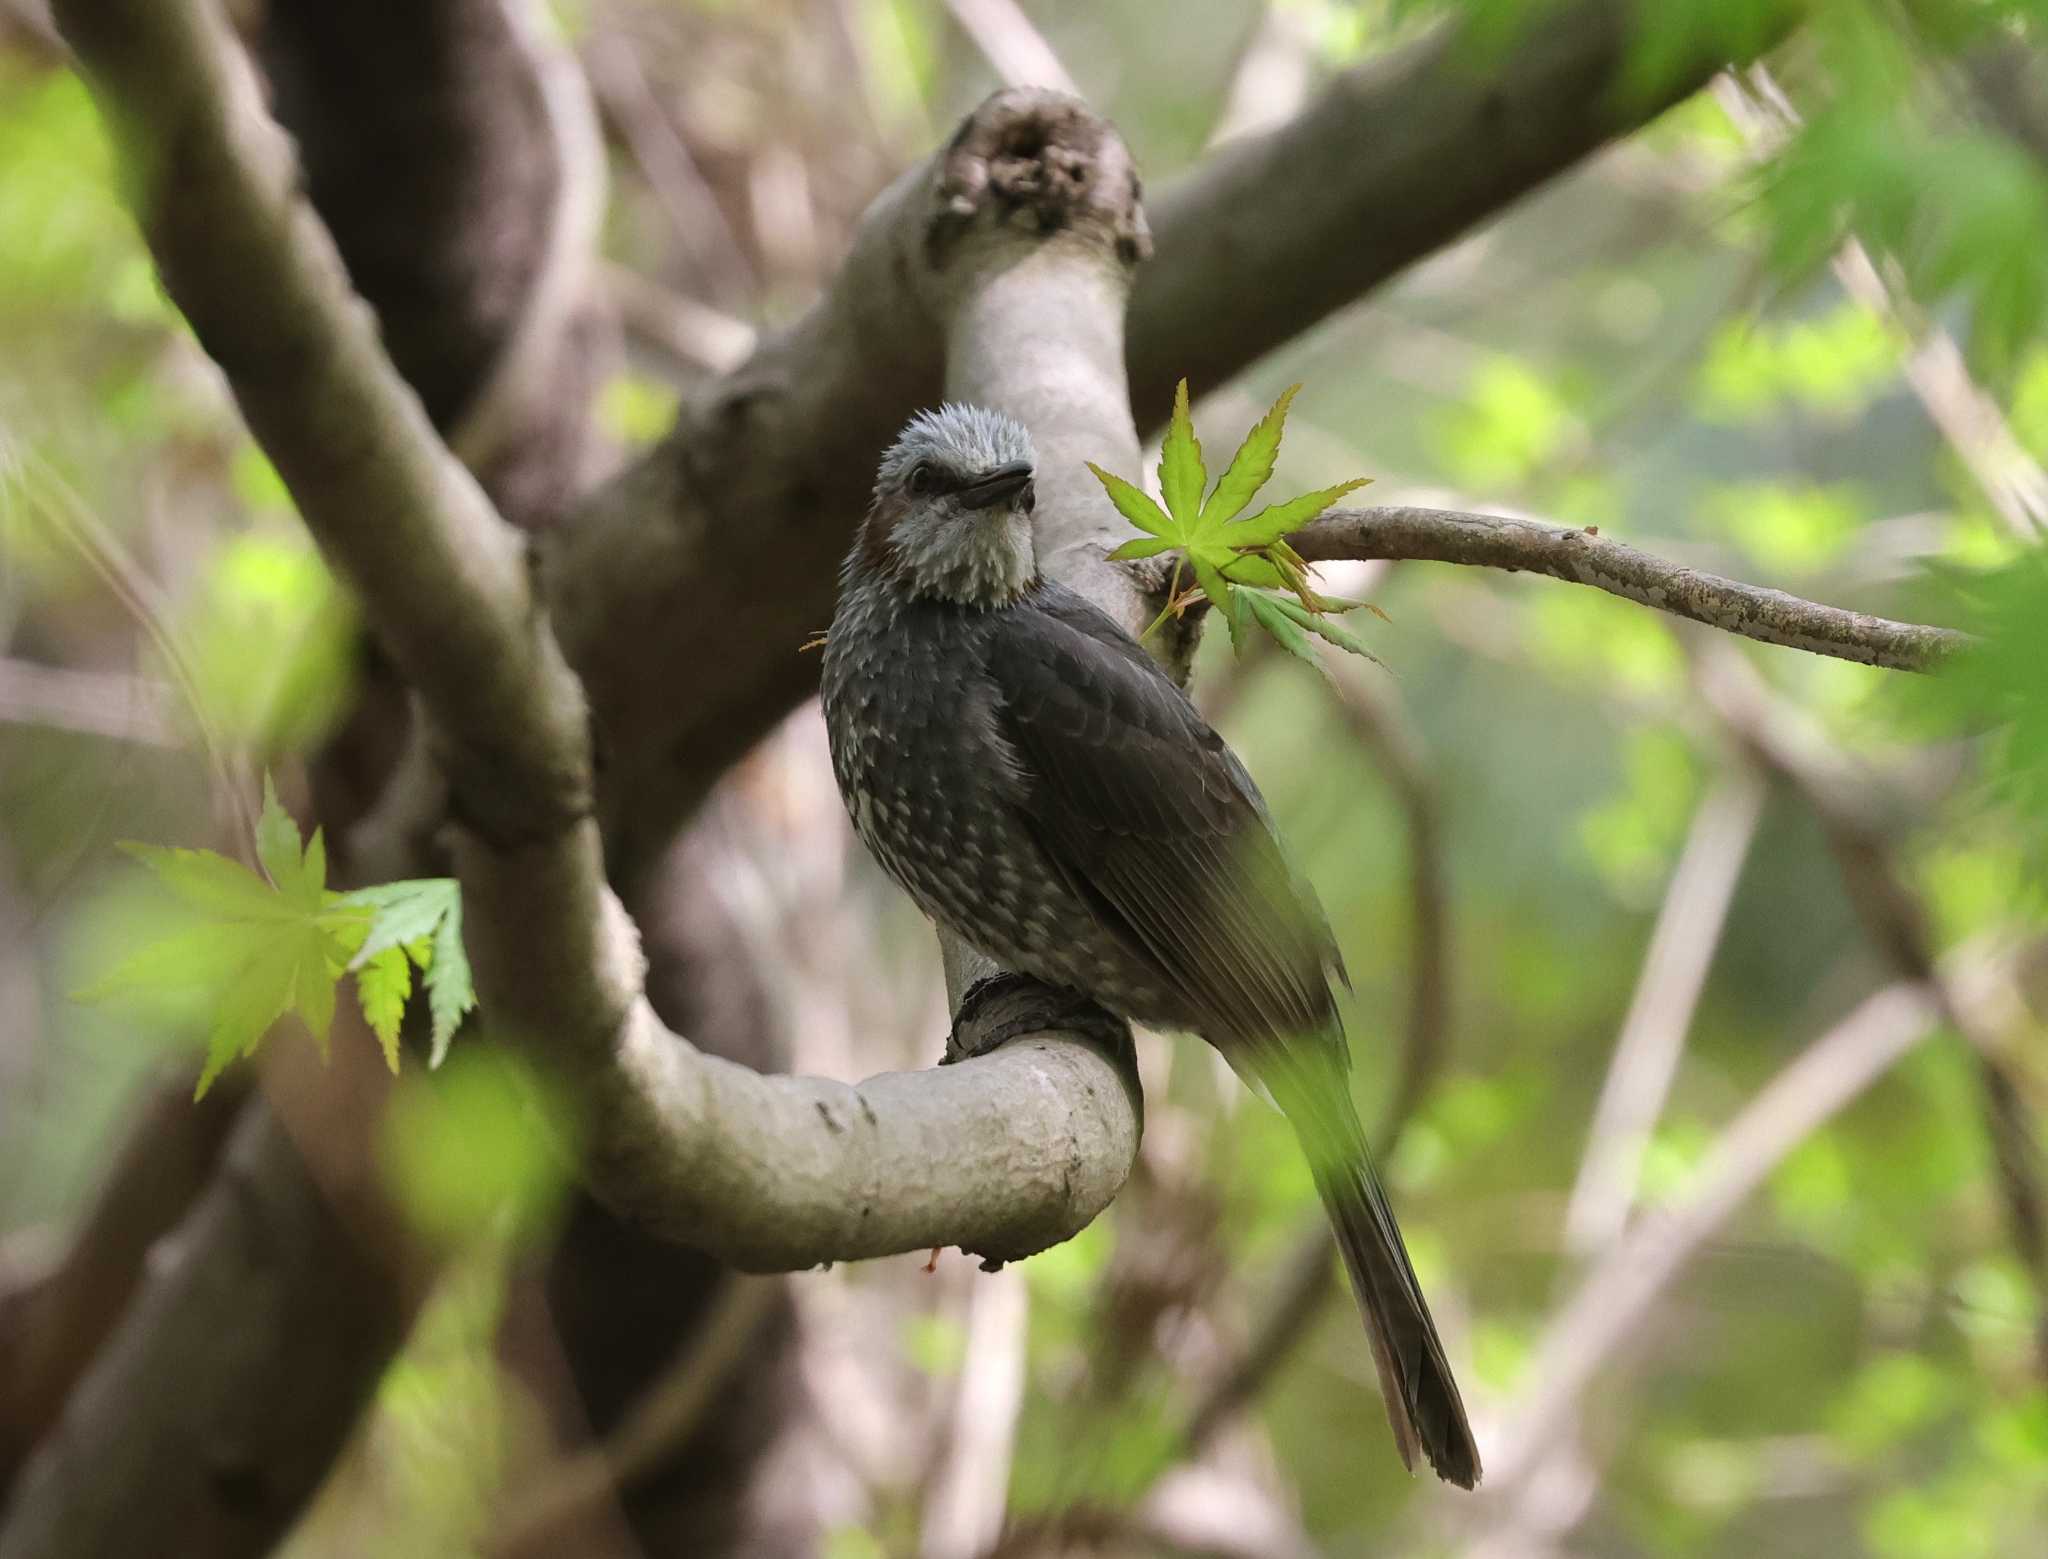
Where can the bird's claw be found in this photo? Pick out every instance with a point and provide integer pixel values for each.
(1001, 1007)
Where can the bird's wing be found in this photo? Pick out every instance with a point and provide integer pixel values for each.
(1150, 816)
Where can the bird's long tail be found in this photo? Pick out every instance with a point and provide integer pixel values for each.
(1421, 1397)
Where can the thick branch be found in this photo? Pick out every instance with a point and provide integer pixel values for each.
(213, 1451)
(1399, 156)
(1583, 557)
(769, 1172)
(50, 1330)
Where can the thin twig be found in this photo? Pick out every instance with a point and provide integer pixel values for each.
(696, 219)
(1010, 42)
(1306, 1284)
(696, 335)
(967, 1497)
(1584, 557)
(660, 1421)
(1619, 1293)
(90, 703)
(1899, 926)
(1674, 972)
(1384, 732)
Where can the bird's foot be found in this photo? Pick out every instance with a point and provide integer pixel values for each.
(1003, 1007)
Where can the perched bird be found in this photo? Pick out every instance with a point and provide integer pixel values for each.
(1041, 787)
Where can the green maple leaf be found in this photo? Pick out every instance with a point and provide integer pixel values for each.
(421, 920)
(256, 950)
(450, 993)
(383, 983)
(1234, 560)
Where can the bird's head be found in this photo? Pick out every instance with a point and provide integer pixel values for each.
(951, 518)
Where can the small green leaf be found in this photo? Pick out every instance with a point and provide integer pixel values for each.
(1249, 568)
(1251, 466)
(1213, 584)
(382, 986)
(1281, 520)
(1326, 627)
(1134, 504)
(313, 871)
(192, 958)
(212, 883)
(402, 912)
(1181, 473)
(449, 992)
(277, 841)
(250, 1005)
(1238, 620)
(313, 996)
(1284, 629)
(1140, 547)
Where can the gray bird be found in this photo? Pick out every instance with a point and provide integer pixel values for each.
(1041, 787)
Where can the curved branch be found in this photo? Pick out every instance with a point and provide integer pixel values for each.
(768, 1172)
(1584, 557)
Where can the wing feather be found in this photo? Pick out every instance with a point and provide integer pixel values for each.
(1145, 809)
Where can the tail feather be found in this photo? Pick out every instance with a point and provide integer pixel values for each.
(1421, 1397)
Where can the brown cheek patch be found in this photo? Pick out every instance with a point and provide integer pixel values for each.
(878, 550)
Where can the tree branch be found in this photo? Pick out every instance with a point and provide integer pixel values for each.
(1619, 1293)
(768, 1172)
(1660, 1013)
(215, 1452)
(1583, 557)
(1900, 928)
(1399, 156)
(51, 1328)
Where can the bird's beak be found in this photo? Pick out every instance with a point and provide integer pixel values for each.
(1002, 483)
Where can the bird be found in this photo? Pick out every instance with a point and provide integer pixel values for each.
(1041, 787)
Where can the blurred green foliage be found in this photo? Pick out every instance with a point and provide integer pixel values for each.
(1654, 346)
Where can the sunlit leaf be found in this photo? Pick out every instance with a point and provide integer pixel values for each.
(1133, 503)
(1252, 466)
(1181, 474)
(1140, 547)
(450, 995)
(1280, 520)
(383, 983)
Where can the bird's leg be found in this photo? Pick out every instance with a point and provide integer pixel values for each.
(1001, 1007)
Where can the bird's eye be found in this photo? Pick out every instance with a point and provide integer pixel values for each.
(920, 478)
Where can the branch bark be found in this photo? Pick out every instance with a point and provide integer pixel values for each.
(1397, 157)
(51, 1329)
(263, 1256)
(1584, 557)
